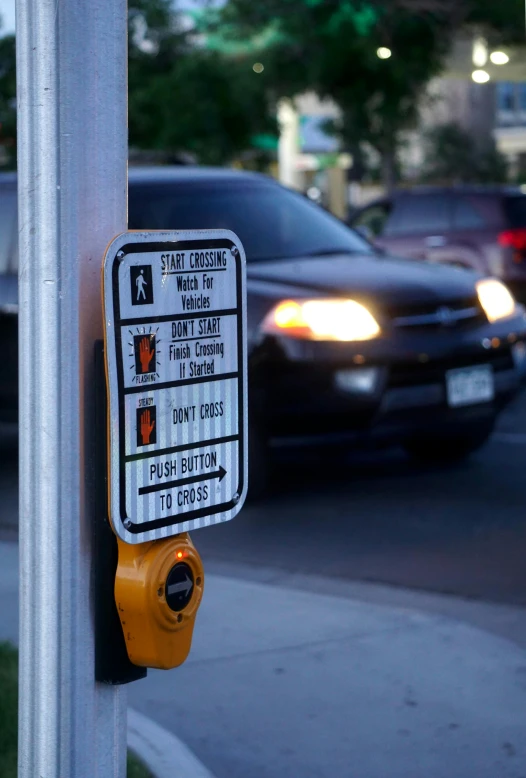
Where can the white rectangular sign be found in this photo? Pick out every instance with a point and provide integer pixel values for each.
(175, 343)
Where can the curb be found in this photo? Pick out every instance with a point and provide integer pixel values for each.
(162, 753)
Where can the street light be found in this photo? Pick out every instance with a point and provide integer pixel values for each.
(499, 58)
(480, 76)
(383, 52)
(258, 67)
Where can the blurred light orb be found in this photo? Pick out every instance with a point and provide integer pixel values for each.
(480, 77)
(258, 67)
(499, 58)
(383, 52)
(314, 193)
(480, 52)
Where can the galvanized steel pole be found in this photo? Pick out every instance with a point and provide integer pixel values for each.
(72, 152)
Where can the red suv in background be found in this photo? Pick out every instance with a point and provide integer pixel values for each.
(481, 227)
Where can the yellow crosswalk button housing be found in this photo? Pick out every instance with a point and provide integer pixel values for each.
(158, 589)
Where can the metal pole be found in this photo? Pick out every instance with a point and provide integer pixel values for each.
(72, 151)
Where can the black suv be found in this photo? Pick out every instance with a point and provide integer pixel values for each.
(9, 297)
(345, 344)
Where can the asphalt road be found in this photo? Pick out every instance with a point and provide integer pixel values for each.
(379, 517)
(375, 517)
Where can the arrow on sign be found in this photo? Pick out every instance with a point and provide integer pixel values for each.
(183, 586)
(219, 474)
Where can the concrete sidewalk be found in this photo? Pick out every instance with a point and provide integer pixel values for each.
(288, 683)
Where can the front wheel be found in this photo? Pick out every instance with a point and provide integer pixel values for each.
(449, 448)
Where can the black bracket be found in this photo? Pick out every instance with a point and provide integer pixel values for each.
(112, 664)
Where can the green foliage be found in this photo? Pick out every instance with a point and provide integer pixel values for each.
(8, 710)
(157, 15)
(204, 104)
(136, 769)
(451, 156)
(503, 20)
(184, 97)
(8, 99)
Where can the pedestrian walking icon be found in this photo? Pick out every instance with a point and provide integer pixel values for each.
(146, 431)
(141, 285)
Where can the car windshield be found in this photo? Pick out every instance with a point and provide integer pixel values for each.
(272, 222)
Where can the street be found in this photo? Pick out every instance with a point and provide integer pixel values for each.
(381, 518)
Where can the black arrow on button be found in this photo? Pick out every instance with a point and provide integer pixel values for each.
(219, 474)
(182, 587)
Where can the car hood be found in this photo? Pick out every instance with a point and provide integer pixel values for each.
(387, 280)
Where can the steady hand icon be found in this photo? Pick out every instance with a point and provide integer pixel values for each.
(146, 427)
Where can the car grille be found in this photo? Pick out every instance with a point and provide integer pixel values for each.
(458, 314)
(411, 374)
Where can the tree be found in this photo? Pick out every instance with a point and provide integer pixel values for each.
(183, 97)
(8, 100)
(330, 47)
(201, 104)
(451, 156)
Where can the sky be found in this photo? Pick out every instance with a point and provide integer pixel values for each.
(7, 12)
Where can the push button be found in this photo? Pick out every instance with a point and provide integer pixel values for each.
(158, 590)
(179, 587)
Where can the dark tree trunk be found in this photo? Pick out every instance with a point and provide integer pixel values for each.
(388, 170)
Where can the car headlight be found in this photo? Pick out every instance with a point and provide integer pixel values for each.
(344, 320)
(496, 299)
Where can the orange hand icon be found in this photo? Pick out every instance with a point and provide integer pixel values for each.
(146, 427)
(146, 353)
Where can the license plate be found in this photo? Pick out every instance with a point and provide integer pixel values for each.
(470, 385)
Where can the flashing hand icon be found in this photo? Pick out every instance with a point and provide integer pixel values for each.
(146, 354)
